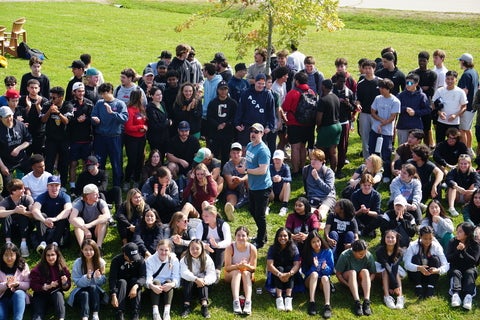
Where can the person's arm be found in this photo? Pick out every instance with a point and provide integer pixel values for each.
(227, 237)
(102, 218)
(438, 180)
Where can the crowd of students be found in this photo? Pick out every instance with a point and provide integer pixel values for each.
(241, 115)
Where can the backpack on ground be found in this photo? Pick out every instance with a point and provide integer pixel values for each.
(25, 52)
(306, 111)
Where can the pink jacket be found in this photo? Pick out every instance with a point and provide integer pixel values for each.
(23, 279)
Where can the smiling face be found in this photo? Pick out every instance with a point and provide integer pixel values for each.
(316, 244)
(426, 240)
(366, 187)
(187, 92)
(300, 208)
(241, 236)
(51, 257)
(404, 176)
(136, 199)
(283, 238)
(434, 209)
(390, 238)
(150, 218)
(163, 252)
(463, 165)
(88, 251)
(9, 258)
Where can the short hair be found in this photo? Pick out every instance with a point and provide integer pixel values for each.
(309, 60)
(439, 53)
(14, 185)
(33, 81)
(452, 73)
(86, 58)
(361, 61)
(386, 84)
(262, 52)
(367, 178)
(281, 71)
(424, 55)
(359, 245)
(172, 73)
(301, 77)
(317, 154)
(341, 61)
(34, 60)
(105, 88)
(388, 56)
(454, 132)
(163, 172)
(340, 76)
(129, 73)
(293, 46)
(417, 133)
(10, 79)
(210, 68)
(36, 158)
(422, 151)
(390, 49)
(369, 63)
(58, 90)
(413, 76)
(181, 49)
(282, 53)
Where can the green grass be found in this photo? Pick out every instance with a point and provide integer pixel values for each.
(133, 36)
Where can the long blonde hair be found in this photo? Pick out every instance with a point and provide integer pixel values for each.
(129, 208)
(196, 184)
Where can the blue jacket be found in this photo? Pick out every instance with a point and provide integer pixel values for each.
(256, 106)
(416, 100)
(111, 124)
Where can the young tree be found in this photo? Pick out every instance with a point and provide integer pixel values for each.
(254, 22)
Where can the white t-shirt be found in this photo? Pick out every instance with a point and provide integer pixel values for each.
(452, 102)
(441, 72)
(36, 185)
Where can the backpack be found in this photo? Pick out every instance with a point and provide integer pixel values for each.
(306, 111)
(25, 52)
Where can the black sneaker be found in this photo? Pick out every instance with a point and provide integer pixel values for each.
(358, 308)
(186, 311)
(312, 308)
(327, 312)
(119, 315)
(419, 292)
(366, 308)
(429, 292)
(205, 312)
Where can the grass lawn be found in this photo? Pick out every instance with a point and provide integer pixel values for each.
(135, 35)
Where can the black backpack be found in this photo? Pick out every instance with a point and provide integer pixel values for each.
(25, 52)
(306, 111)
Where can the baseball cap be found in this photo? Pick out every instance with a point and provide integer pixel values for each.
(53, 180)
(219, 57)
(148, 71)
(161, 64)
(222, 84)
(236, 145)
(400, 200)
(78, 85)
(12, 94)
(77, 64)
(184, 126)
(90, 188)
(257, 126)
(279, 154)
(131, 251)
(240, 66)
(260, 76)
(202, 154)
(5, 112)
(91, 72)
(91, 162)
(467, 57)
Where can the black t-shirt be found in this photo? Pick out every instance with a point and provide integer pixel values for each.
(184, 150)
(367, 90)
(54, 128)
(80, 131)
(330, 106)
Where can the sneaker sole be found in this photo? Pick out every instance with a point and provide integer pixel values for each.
(229, 210)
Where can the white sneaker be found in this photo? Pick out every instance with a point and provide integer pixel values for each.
(236, 307)
(288, 304)
(453, 212)
(247, 308)
(166, 316)
(267, 211)
(389, 302)
(283, 212)
(41, 247)
(95, 317)
(24, 250)
(467, 302)
(400, 302)
(156, 316)
(279, 303)
(229, 210)
(456, 301)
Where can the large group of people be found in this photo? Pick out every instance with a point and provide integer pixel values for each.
(172, 233)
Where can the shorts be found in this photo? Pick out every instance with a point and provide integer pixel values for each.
(317, 202)
(277, 188)
(299, 134)
(466, 120)
(80, 151)
(328, 136)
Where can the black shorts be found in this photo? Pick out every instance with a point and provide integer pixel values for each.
(299, 134)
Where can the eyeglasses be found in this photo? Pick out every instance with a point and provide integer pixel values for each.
(10, 84)
(255, 131)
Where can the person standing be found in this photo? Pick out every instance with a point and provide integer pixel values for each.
(259, 180)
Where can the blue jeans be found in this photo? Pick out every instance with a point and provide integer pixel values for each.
(88, 299)
(342, 239)
(15, 302)
(105, 146)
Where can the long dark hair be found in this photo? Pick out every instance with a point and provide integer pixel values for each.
(307, 254)
(95, 258)
(397, 250)
(428, 215)
(306, 203)
(202, 257)
(19, 261)
(469, 230)
(158, 222)
(347, 207)
(289, 246)
(60, 263)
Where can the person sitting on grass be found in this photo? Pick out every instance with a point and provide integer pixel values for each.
(240, 266)
(374, 166)
(471, 211)
(366, 202)
(129, 214)
(400, 220)
(200, 187)
(442, 225)
(281, 178)
(341, 228)
(389, 256)
(198, 272)
(148, 233)
(356, 267)
(283, 261)
(408, 184)
(301, 222)
(463, 253)
(425, 261)
(90, 216)
(462, 183)
(236, 190)
(180, 232)
(317, 266)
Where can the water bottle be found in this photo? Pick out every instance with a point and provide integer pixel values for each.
(378, 145)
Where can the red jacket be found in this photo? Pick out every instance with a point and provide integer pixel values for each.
(134, 126)
(290, 105)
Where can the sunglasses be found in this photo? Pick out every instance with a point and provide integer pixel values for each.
(410, 83)
(255, 131)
